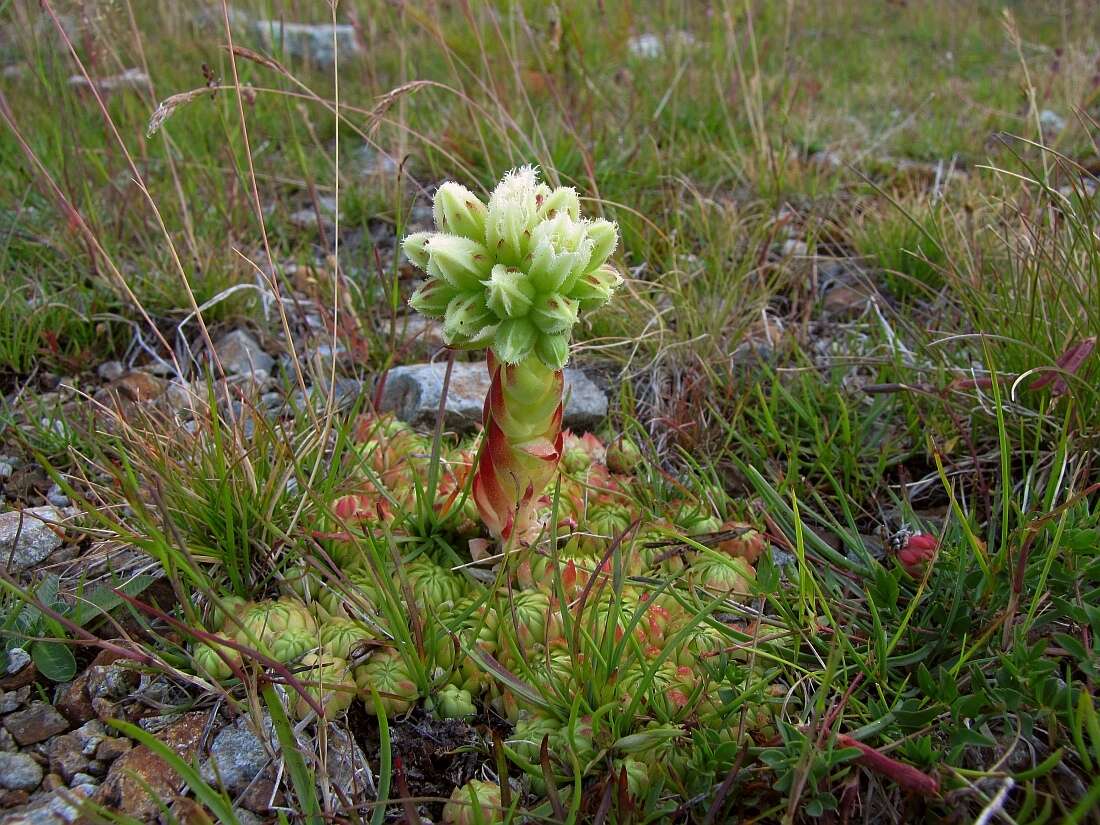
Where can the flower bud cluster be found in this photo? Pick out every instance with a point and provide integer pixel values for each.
(513, 275)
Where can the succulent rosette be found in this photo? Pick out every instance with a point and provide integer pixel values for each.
(227, 610)
(328, 681)
(721, 575)
(623, 456)
(433, 585)
(526, 739)
(452, 702)
(475, 803)
(342, 637)
(215, 660)
(605, 521)
(666, 691)
(512, 276)
(387, 673)
(283, 629)
(746, 542)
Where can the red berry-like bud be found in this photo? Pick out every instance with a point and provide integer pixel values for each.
(917, 554)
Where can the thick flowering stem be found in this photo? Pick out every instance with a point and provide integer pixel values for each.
(513, 276)
(523, 444)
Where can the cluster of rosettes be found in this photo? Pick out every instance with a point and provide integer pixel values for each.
(515, 274)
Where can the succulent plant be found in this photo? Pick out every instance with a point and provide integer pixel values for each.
(665, 691)
(341, 637)
(532, 615)
(452, 702)
(623, 456)
(433, 585)
(213, 659)
(387, 673)
(717, 574)
(475, 803)
(328, 681)
(747, 543)
(227, 610)
(283, 629)
(512, 276)
(605, 521)
(580, 452)
(527, 736)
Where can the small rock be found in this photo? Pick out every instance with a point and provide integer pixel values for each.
(1051, 122)
(19, 772)
(12, 799)
(346, 763)
(131, 78)
(110, 370)
(6, 469)
(112, 748)
(246, 817)
(320, 44)
(73, 702)
(263, 793)
(14, 699)
(844, 301)
(97, 768)
(90, 734)
(112, 681)
(26, 539)
(424, 330)
(139, 779)
(7, 741)
(240, 354)
(651, 46)
(83, 779)
(66, 757)
(138, 386)
(347, 391)
(794, 248)
(413, 394)
(17, 660)
(34, 724)
(237, 755)
(56, 496)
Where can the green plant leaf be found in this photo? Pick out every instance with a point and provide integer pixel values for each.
(54, 660)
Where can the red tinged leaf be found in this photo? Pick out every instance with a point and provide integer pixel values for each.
(1070, 362)
(905, 776)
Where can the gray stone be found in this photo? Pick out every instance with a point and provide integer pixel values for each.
(237, 755)
(90, 734)
(56, 496)
(110, 370)
(347, 391)
(111, 681)
(14, 699)
(26, 540)
(239, 354)
(35, 724)
(346, 763)
(413, 394)
(17, 659)
(319, 44)
(83, 779)
(6, 469)
(1051, 122)
(66, 757)
(19, 772)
